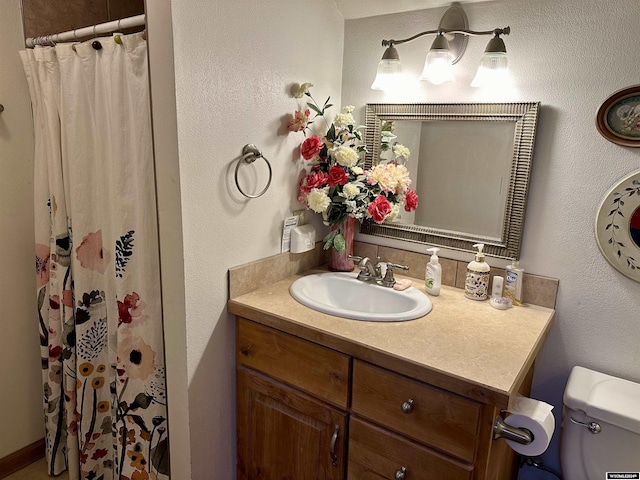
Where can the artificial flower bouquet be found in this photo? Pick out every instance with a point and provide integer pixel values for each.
(336, 185)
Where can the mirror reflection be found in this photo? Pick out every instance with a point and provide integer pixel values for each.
(470, 166)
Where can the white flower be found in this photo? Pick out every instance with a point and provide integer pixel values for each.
(298, 91)
(350, 190)
(318, 200)
(401, 151)
(343, 120)
(345, 156)
(348, 109)
(357, 170)
(395, 210)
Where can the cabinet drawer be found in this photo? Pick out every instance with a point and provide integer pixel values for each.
(377, 454)
(435, 417)
(310, 367)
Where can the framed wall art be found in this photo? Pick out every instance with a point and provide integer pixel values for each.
(618, 118)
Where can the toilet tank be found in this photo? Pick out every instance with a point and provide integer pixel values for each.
(604, 436)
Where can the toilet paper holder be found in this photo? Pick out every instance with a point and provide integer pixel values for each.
(519, 435)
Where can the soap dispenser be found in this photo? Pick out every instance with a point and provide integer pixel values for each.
(433, 274)
(477, 282)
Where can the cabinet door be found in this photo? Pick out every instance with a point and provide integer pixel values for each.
(284, 434)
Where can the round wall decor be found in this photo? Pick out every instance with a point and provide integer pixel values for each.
(618, 226)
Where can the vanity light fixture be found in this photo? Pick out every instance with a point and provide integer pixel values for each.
(446, 50)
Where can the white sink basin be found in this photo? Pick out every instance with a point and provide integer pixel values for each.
(340, 294)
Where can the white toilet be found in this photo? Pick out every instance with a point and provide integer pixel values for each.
(600, 426)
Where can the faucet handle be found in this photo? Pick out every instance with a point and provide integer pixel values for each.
(395, 265)
(355, 258)
(388, 280)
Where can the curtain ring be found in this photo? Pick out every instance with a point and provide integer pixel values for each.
(250, 153)
(96, 43)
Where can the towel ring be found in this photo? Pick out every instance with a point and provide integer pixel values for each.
(250, 153)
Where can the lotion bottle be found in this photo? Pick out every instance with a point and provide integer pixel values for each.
(433, 274)
(513, 282)
(476, 284)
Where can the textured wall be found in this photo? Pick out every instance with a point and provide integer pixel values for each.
(44, 17)
(233, 63)
(20, 378)
(565, 55)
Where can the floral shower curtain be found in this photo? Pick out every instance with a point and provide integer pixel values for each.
(97, 261)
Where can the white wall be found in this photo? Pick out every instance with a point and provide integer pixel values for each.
(20, 377)
(233, 64)
(570, 55)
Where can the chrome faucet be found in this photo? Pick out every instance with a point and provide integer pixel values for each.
(370, 272)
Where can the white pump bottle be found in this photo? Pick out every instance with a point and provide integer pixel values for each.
(433, 274)
(477, 281)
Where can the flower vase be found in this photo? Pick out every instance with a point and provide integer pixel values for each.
(339, 261)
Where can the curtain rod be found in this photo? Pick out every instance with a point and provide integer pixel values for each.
(108, 27)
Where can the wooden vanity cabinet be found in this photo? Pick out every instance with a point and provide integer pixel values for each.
(308, 412)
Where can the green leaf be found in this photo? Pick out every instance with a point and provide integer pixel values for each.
(160, 456)
(328, 239)
(339, 243)
(331, 134)
(313, 107)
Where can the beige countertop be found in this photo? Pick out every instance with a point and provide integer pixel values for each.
(462, 345)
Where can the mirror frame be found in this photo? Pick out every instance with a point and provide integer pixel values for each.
(525, 116)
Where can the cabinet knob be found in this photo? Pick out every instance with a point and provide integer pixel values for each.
(407, 407)
(401, 473)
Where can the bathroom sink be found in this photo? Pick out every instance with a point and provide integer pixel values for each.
(340, 294)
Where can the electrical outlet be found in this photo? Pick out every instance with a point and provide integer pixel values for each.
(301, 216)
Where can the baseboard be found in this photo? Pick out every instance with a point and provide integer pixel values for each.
(20, 459)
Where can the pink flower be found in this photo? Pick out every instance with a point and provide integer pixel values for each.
(391, 177)
(130, 311)
(411, 201)
(337, 176)
(379, 209)
(316, 179)
(42, 264)
(299, 121)
(311, 147)
(135, 358)
(90, 253)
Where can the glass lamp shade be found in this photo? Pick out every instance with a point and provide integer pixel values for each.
(438, 68)
(389, 73)
(493, 71)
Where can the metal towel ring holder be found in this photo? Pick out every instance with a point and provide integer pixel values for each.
(250, 153)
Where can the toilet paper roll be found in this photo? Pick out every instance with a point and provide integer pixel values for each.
(535, 416)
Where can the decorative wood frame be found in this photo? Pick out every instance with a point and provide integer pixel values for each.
(525, 116)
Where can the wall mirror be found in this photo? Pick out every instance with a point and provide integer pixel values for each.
(470, 164)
